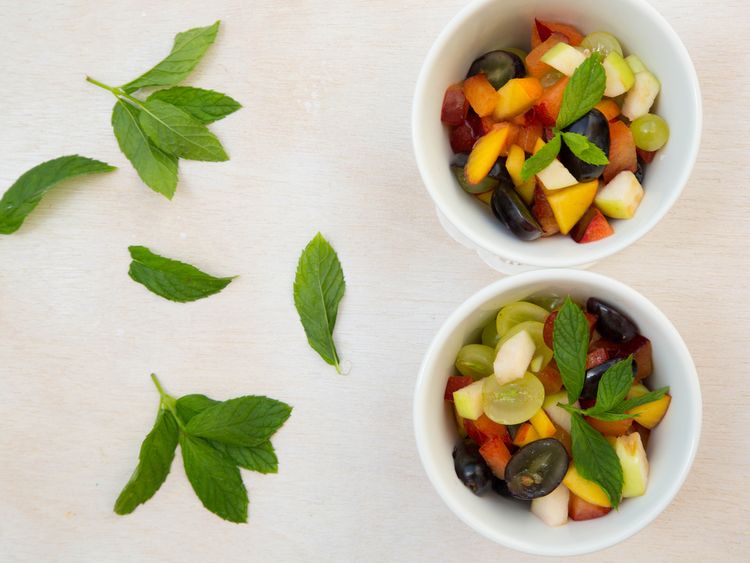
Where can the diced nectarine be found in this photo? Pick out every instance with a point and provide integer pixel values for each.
(484, 155)
(528, 136)
(543, 213)
(474, 433)
(579, 509)
(516, 97)
(525, 435)
(481, 95)
(640, 347)
(492, 429)
(646, 156)
(496, 454)
(542, 424)
(650, 414)
(569, 204)
(622, 154)
(456, 382)
(593, 226)
(534, 65)
(551, 100)
(587, 490)
(609, 109)
(610, 427)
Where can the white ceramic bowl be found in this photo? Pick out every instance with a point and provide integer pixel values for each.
(671, 447)
(491, 24)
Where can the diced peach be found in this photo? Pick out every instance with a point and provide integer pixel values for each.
(610, 427)
(516, 97)
(609, 109)
(525, 435)
(543, 213)
(569, 204)
(496, 454)
(484, 154)
(650, 414)
(455, 106)
(587, 490)
(456, 382)
(528, 136)
(481, 95)
(622, 154)
(550, 378)
(542, 424)
(492, 429)
(547, 28)
(474, 433)
(550, 101)
(593, 226)
(579, 509)
(534, 64)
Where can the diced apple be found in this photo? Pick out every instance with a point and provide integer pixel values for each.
(459, 423)
(555, 176)
(552, 509)
(534, 64)
(641, 97)
(525, 434)
(570, 204)
(620, 78)
(632, 455)
(587, 490)
(593, 226)
(516, 97)
(559, 416)
(579, 509)
(635, 64)
(468, 400)
(514, 357)
(484, 155)
(564, 58)
(620, 198)
(542, 424)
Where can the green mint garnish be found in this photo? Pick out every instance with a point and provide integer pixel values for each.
(571, 345)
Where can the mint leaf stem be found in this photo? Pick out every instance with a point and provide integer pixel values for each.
(114, 90)
(167, 401)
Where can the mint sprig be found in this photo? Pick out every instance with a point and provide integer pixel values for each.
(211, 465)
(584, 149)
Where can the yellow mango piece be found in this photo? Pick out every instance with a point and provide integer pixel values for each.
(569, 204)
(542, 424)
(650, 414)
(516, 97)
(525, 435)
(514, 164)
(484, 154)
(587, 490)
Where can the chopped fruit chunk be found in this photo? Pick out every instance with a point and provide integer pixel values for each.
(550, 101)
(634, 462)
(620, 198)
(542, 212)
(492, 429)
(559, 416)
(496, 454)
(596, 358)
(635, 64)
(593, 226)
(550, 378)
(587, 490)
(462, 138)
(516, 97)
(650, 414)
(564, 58)
(468, 401)
(555, 176)
(459, 424)
(514, 164)
(474, 433)
(641, 97)
(534, 63)
(620, 78)
(552, 509)
(484, 155)
(643, 431)
(481, 95)
(455, 106)
(525, 435)
(513, 357)
(646, 156)
(610, 427)
(569, 204)
(640, 347)
(564, 438)
(609, 109)
(529, 136)
(456, 382)
(622, 155)
(542, 424)
(579, 509)
(541, 30)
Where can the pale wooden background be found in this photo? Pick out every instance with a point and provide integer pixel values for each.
(323, 143)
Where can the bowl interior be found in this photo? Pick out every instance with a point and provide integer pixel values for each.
(671, 446)
(489, 24)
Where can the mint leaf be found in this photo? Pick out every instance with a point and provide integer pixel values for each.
(206, 106)
(542, 159)
(318, 288)
(584, 149)
(244, 421)
(154, 462)
(571, 343)
(171, 279)
(157, 169)
(215, 479)
(190, 405)
(26, 192)
(187, 51)
(584, 90)
(613, 386)
(180, 134)
(606, 416)
(595, 459)
(649, 397)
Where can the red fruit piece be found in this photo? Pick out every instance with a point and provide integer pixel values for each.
(542, 31)
(492, 429)
(579, 509)
(646, 156)
(550, 378)
(456, 382)
(528, 136)
(455, 106)
(549, 104)
(640, 347)
(622, 154)
(592, 226)
(541, 28)
(612, 348)
(463, 137)
(496, 454)
(596, 358)
(542, 212)
(643, 431)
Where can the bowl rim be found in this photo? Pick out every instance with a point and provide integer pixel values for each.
(592, 253)
(469, 307)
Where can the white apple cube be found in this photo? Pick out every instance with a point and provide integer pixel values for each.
(641, 96)
(556, 176)
(468, 400)
(634, 464)
(621, 197)
(553, 508)
(559, 415)
(564, 58)
(620, 77)
(514, 357)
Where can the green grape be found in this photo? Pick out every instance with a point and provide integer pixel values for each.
(513, 402)
(650, 132)
(536, 331)
(601, 42)
(490, 337)
(476, 360)
(518, 312)
(549, 301)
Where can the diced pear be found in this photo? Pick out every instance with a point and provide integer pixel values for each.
(571, 203)
(555, 176)
(634, 463)
(635, 64)
(468, 400)
(564, 58)
(552, 509)
(559, 416)
(620, 198)
(620, 78)
(513, 357)
(641, 96)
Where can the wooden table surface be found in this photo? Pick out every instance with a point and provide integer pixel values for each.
(323, 143)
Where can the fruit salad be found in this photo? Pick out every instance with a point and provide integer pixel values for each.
(556, 141)
(552, 408)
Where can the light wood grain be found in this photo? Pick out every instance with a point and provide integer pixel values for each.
(323, 143)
